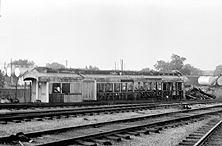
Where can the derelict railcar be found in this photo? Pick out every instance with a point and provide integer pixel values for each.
(140, 88)
(68, 85)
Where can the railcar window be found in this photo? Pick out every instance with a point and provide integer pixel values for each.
(159, 86)
(169, 86)
(109, 87)
(153, 85)
(164, 86)
(145, 85)
(149, 85)
(179, 86)
(56, 88)
(141, 86)
(116, 87)
(136, 86)
(174, 86)
(124, 87)
(100, 87)
(130, 86)
(66, 88)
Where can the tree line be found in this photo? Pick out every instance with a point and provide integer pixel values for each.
(176, 63)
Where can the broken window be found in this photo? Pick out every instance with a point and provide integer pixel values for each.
(56, 88)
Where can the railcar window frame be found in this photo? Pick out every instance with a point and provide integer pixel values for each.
(123, 86)
(56, 88)
(135, 88)
(145, 85)
(130, 86)
(116, 87)
(108, 87)
(100, 87)
(65, 88)
(159, 85)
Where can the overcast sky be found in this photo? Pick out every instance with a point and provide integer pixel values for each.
(101, 32)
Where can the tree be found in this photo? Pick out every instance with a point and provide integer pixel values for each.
(55, 65)
(191, 70)
(218, 70)
(92, 68)
(163, 66)
(24, 63)
(177, 63)
(145, 70)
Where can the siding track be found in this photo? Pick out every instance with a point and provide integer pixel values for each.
(208, 135)
(107, 132)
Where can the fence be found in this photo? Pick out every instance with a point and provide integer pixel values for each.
(23, 94)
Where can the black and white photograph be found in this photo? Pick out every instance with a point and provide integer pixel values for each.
(110, 72)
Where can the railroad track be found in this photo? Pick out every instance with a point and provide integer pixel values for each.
(18, 106)
(207, 135)
(61, 113)
(106, 132)
(24, 116)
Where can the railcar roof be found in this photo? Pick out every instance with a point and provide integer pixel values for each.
(104, 72)
(48, 74)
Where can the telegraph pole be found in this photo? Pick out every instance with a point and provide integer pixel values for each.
(121, 63)
(11, 78)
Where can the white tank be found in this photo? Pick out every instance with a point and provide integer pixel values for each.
(207, 80)
(219, 81)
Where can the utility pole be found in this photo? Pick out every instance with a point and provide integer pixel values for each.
(66, 63)
(11, 78)
(121, 63)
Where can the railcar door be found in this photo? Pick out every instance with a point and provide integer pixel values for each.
(89, 90)
(75, 93)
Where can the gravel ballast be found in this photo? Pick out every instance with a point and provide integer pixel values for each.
(167, 137)
(25, 127)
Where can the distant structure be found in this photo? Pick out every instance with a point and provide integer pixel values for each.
(23, 68)
(208, 72)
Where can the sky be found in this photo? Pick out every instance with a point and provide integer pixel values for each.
(102, 32)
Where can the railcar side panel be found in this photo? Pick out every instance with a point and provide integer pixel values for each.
(88, 90)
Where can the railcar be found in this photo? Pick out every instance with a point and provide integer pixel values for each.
(75, 85)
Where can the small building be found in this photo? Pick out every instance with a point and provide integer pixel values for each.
(45, 85)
